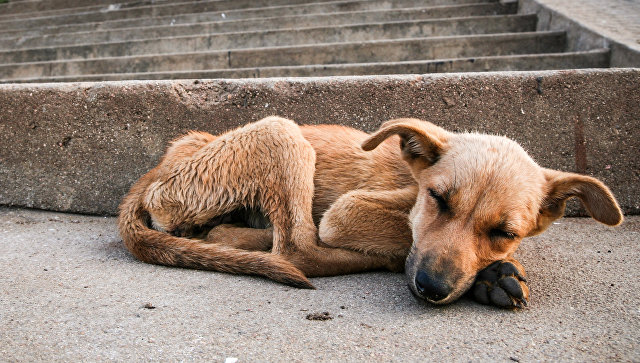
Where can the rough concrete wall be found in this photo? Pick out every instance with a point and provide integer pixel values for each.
(78, 147)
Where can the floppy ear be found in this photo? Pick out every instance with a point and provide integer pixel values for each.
(421, 142)
(594, 195)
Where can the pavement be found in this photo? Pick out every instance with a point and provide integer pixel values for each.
(69, 291)
(612, 24)
(615, 19)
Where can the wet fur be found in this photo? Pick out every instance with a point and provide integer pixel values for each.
(289, 202)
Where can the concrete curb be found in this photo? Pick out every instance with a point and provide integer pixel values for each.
(78, 147)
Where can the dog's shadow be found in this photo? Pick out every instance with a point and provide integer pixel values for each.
(114, 249)
(377, 291)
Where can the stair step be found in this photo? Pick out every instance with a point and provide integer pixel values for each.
(144, 7)
(275, 38)
(598, 58)
(17, 7)
(336, 53)
(182, 26)
(172, 9)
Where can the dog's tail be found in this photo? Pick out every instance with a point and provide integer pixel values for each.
(160, 248)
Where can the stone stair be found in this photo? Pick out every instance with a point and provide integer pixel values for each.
(100, 40)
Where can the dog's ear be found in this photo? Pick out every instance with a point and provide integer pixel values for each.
(421, 142)
(596, 197)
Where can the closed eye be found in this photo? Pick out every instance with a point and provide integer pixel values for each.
(443, 206)
(497, 233)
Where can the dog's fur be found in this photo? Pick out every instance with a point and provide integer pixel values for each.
(288, 202)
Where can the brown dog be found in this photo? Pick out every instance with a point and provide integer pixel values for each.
(275, 199)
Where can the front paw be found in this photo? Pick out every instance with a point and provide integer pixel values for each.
(501, 284)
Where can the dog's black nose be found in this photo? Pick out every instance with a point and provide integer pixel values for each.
(431, 288)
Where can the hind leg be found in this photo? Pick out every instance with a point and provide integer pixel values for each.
(285, 196)
(266, 165)
(286, 188)
(313, 261)
(326, 261)
(287, 200)
(252, 239)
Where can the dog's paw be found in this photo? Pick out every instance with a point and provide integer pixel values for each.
(501, 284)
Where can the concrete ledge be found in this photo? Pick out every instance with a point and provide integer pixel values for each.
(77, 147)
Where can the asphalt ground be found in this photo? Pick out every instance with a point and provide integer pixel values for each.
(69, 291)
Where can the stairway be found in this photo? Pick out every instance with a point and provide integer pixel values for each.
(98, 40)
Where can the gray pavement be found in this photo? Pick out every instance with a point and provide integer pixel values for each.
(615, 19)
(69, 291)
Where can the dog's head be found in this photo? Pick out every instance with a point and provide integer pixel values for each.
(478, 197)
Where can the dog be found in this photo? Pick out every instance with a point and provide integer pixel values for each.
(288, 202)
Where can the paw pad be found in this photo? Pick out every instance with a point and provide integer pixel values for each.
(501, 284)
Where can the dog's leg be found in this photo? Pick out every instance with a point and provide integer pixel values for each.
(371, 222)
(285, 192)
(267, 166)
(313, 261)
(503, 284)
(366, 230)
(323, 261)
(252, 239)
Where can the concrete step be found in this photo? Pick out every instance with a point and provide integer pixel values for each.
(336, 53)
(144, 7)
(150, 28)
(173, 9)
(251, 15)
(285, 37)
(22, 7)
(598, 58)
(78, 147)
